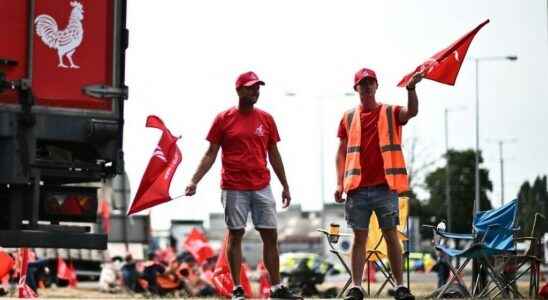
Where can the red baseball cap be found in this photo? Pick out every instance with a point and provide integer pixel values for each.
(248, 79)
(363, 73)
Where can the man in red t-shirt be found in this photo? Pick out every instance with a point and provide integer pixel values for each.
(246, 135)
(373, 193)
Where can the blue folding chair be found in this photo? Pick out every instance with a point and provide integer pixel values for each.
(493, 234)
(524, 263)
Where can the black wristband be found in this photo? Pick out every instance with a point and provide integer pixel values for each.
(410, 89)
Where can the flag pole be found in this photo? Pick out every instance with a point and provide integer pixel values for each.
(177, 197)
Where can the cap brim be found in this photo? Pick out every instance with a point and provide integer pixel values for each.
(253, 82)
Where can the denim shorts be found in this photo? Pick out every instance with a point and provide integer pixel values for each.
(361, 202)
(238, 205)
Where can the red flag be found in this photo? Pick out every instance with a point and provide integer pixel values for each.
(221, 277)
(264, 281)
(62, 269)
(154, 187)
(196, 243)
(6, 263)
(67, 272)
(195, 234)
(24, 290)
(73, 280)
(444, 66)
(104, 211)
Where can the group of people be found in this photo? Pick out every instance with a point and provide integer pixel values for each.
(370, 172)
(41, 272)
(160, 275)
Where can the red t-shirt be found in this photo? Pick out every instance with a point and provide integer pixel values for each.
(370, 156)
(244, 140)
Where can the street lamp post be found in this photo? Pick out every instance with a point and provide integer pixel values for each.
(448, 169)
(501, 174)
(501, 143)
(322, 175)
(477, 173)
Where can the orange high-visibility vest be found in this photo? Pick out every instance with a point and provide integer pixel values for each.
(390, 144)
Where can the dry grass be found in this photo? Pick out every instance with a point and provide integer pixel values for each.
(420, 289)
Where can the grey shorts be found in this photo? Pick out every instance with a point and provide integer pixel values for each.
(260, 203)
(363, 201)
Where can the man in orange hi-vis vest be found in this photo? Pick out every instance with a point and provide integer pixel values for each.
(371, 171)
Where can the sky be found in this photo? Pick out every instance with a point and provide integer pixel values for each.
(184, 57)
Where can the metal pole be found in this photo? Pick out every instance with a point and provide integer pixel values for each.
(501, 143)
(447, 174)
(475, 265)
(124, 202)
(477, 168)
(477, 173)
(501, 174)
(322, 175)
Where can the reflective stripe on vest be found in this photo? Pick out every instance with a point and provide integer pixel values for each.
(352, 166)
(390, 146)
(391, 151)
(395, 171)
(353, 149)
(352, 172)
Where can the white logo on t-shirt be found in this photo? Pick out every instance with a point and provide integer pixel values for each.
(260, 130)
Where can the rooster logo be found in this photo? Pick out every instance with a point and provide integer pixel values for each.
(64, 41)
(260, 130)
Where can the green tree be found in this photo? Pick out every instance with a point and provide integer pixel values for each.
(462, 183)
(532, 199)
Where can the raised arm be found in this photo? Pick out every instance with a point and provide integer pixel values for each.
(412, 109)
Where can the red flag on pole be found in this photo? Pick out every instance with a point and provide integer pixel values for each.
(24, 290)
(72, 279)
(66, 272)
(154, 187)
(222, 279)
(264, 281)
(6, 263)
(196, 243)
(104, 211)
(444, 66)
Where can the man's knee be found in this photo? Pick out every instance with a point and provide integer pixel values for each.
(235, 236)
(360, 237)
(269, 236)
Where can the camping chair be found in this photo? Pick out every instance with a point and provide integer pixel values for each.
(376, 249)
(493, 235)
(332, 239)
(532, 256)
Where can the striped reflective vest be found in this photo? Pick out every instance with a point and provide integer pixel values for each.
(390, 144)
